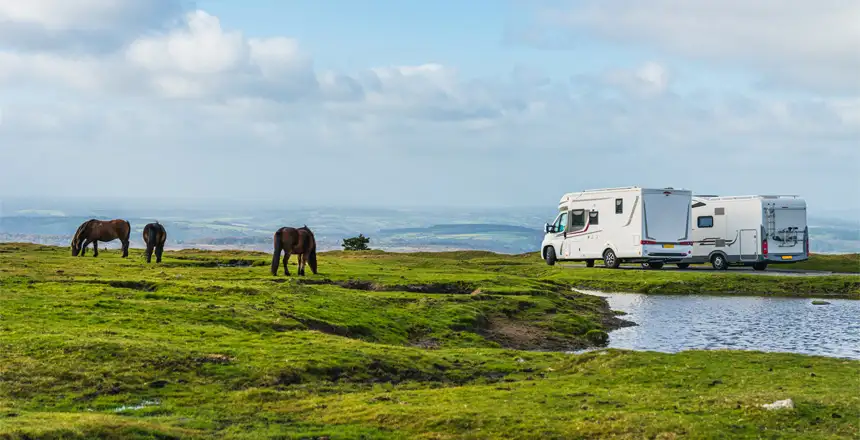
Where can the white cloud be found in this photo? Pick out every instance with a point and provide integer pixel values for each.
(800, 43)
(81, 25)
(196, 109)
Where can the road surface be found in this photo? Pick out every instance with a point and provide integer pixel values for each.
(783, 271)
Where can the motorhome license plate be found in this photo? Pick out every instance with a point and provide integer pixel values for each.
(786, 257)
(668, 246)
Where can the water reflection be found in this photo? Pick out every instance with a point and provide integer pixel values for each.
(670, 323)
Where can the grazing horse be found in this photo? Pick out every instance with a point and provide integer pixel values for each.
(154, 235)
(298, 241)
(94, 231)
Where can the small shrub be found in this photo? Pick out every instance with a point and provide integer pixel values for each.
(597, 337)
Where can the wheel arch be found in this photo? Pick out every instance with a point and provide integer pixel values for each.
(715, 253)
(545, 247)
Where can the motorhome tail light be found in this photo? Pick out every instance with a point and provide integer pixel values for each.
(807, 246)
(686, 243)
(647, 242)
(764, 247)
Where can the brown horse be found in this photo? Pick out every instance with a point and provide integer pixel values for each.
(94, 231)
(298, 241)
(154, 235)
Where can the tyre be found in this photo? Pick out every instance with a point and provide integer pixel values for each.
(610, 260)
(549, 255)
(655, 265)
(719, 262)
(760, 266)
(683, 265)
(589, 263)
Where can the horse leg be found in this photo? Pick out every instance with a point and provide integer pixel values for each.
(158, 251)
(95, 248)
(286, 262)
(148, 252)
(124, 248)
(299, 264)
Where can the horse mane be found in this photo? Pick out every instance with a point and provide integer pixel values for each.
(83, 227)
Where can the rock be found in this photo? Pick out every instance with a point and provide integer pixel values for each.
(779, 404)
(819, 302)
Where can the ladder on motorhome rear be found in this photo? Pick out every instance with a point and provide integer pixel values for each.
(770, 222)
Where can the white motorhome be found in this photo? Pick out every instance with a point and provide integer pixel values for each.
(754, 230)
(616, 225)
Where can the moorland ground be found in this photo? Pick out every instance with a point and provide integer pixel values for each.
(381, 345)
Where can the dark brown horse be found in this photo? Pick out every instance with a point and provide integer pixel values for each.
(298, 241)
(94, 231)
(154, 235)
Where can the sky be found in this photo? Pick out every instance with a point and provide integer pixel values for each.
(445, 103)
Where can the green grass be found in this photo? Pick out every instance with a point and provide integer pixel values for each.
(841, 263)
(425, 345)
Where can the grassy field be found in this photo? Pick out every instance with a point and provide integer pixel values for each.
(447, 345)
(842, 263)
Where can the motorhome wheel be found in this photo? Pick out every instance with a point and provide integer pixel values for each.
(760, 266)
(610, 260)
(683, 265)
(719, 262)
(589, 263)
(549, 255)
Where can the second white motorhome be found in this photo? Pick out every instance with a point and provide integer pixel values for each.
(753, 230)
(616, 225)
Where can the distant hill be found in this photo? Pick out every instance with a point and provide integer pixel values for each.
(464, 228)
(388, 229)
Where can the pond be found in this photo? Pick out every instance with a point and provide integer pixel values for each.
(671, 323)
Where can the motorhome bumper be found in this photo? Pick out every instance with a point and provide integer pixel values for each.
(784, 258)
(674, 251)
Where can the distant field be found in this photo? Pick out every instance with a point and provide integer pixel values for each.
(434, 345)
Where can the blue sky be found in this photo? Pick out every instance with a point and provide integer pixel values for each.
(488, 103)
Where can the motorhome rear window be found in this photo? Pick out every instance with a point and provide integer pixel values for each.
(705, 221)
(619, 206)
(592, 217)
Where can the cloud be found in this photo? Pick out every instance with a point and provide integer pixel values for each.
(191, 108)
(793, 43)
(81, 26)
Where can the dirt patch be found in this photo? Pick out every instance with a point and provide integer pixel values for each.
(520, 335)
(143, 286)
(513, 334)
(214, 358)
(201, 262)
(459, 288)
(329, 328)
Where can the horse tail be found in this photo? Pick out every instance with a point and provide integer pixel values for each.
(127, 230)
(153, 236)
(278, 242)
(312, 258)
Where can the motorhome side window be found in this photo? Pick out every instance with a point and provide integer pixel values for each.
(577, 220)
(561, 225)
(619, 206)
(592, 218)
(705, 222)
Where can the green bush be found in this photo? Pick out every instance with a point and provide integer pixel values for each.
(356, 243)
